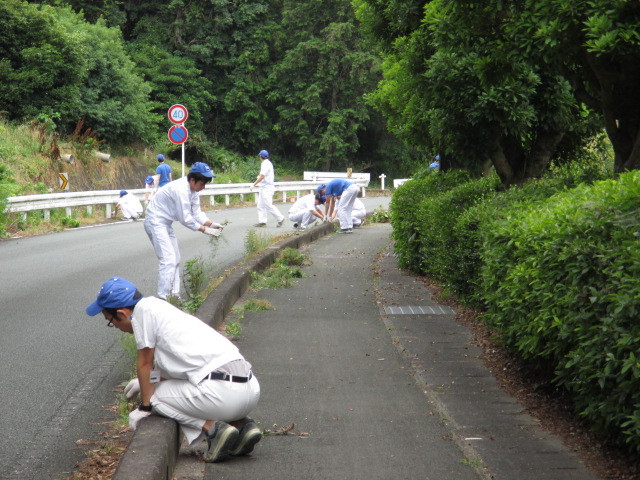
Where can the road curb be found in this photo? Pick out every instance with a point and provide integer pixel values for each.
(153, 450)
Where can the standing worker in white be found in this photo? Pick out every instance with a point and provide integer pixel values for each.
(265, 181)
(177, 201)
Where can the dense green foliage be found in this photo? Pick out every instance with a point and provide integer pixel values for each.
(555, 267)
(508, 84)
(254, 74)
(563, 288)
(56, 66)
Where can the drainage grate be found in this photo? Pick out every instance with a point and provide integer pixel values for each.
(417, 310)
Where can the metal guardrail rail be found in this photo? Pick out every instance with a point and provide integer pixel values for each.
(108, 198)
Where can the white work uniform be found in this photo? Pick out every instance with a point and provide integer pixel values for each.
(186, 351)
(173, 202)
(265, 195)
(130, 206)
(345, 206)
(301, 211)
(149, 191)
(359, 212)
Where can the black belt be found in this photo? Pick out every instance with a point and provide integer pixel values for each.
(227, 377)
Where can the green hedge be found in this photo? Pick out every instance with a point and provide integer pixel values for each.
(563, 288)
(477, 224)
(556, 266)
(437, 217)
(404, 210)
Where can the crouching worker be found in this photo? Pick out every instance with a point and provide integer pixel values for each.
(187, 371)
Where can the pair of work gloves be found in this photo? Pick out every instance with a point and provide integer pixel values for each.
(131, 391)
(214, 230)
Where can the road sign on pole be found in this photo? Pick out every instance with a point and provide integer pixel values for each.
(178, 113)
(178, 134)
(64, 181)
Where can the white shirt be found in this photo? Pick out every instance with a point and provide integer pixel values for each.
(131, 203)
(266, 169)
(186, 348)
(175, 202)
(303, 205)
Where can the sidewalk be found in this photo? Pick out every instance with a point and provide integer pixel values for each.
(376, 389)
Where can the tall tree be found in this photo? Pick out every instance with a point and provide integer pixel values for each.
(459, 83)
(42, 66)
(318, 83)
(596, 45)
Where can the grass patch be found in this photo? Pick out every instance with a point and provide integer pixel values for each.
(293, 258)
(379, 215)
(232, 330)
(255, 242)
(278, 276)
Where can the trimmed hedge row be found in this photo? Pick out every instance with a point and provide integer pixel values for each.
(556, 268)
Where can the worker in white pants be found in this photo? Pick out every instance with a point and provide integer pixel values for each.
(306, 210)
(358, 213)
(265, 182)
(341, 195)
(178, 200)
(129, 206)
(186, 370)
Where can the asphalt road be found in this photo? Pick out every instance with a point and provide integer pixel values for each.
(59, 366)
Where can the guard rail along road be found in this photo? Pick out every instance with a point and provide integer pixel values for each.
(108, 198)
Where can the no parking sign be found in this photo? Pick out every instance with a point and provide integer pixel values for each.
(178, 134)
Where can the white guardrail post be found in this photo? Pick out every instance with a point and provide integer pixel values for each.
(108, 198)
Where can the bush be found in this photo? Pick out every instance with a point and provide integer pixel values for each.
(404, 209)
(562, 284)
(474, 230)
(437, 217)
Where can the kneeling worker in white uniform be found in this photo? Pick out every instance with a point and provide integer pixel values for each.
(129, 205)
(358, 213)
(306, 210)
(186, 371)
(179, 201)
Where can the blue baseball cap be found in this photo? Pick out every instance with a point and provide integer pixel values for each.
(202, 169)
(264, 154)
(149, 179)
(160, 157)
(123, 192)
(114, 293)
(438, 157)
(320, 187)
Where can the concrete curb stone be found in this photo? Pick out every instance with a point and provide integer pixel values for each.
(153, 450)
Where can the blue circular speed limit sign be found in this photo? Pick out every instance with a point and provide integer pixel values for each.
(178, 134)
(178, 113)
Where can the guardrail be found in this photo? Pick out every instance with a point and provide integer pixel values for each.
(399, 181)
(108, 198)
(328, 176)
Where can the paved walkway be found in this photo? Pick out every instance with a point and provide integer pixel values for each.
(380, 382)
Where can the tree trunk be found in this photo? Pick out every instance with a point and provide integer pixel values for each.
(515, 165)
(618, 80)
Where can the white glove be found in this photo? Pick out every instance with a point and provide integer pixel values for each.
(132, 390)
(214, 232)
(217, 225)
(136, 416)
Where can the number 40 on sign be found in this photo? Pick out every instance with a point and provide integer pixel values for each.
(178, 113)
